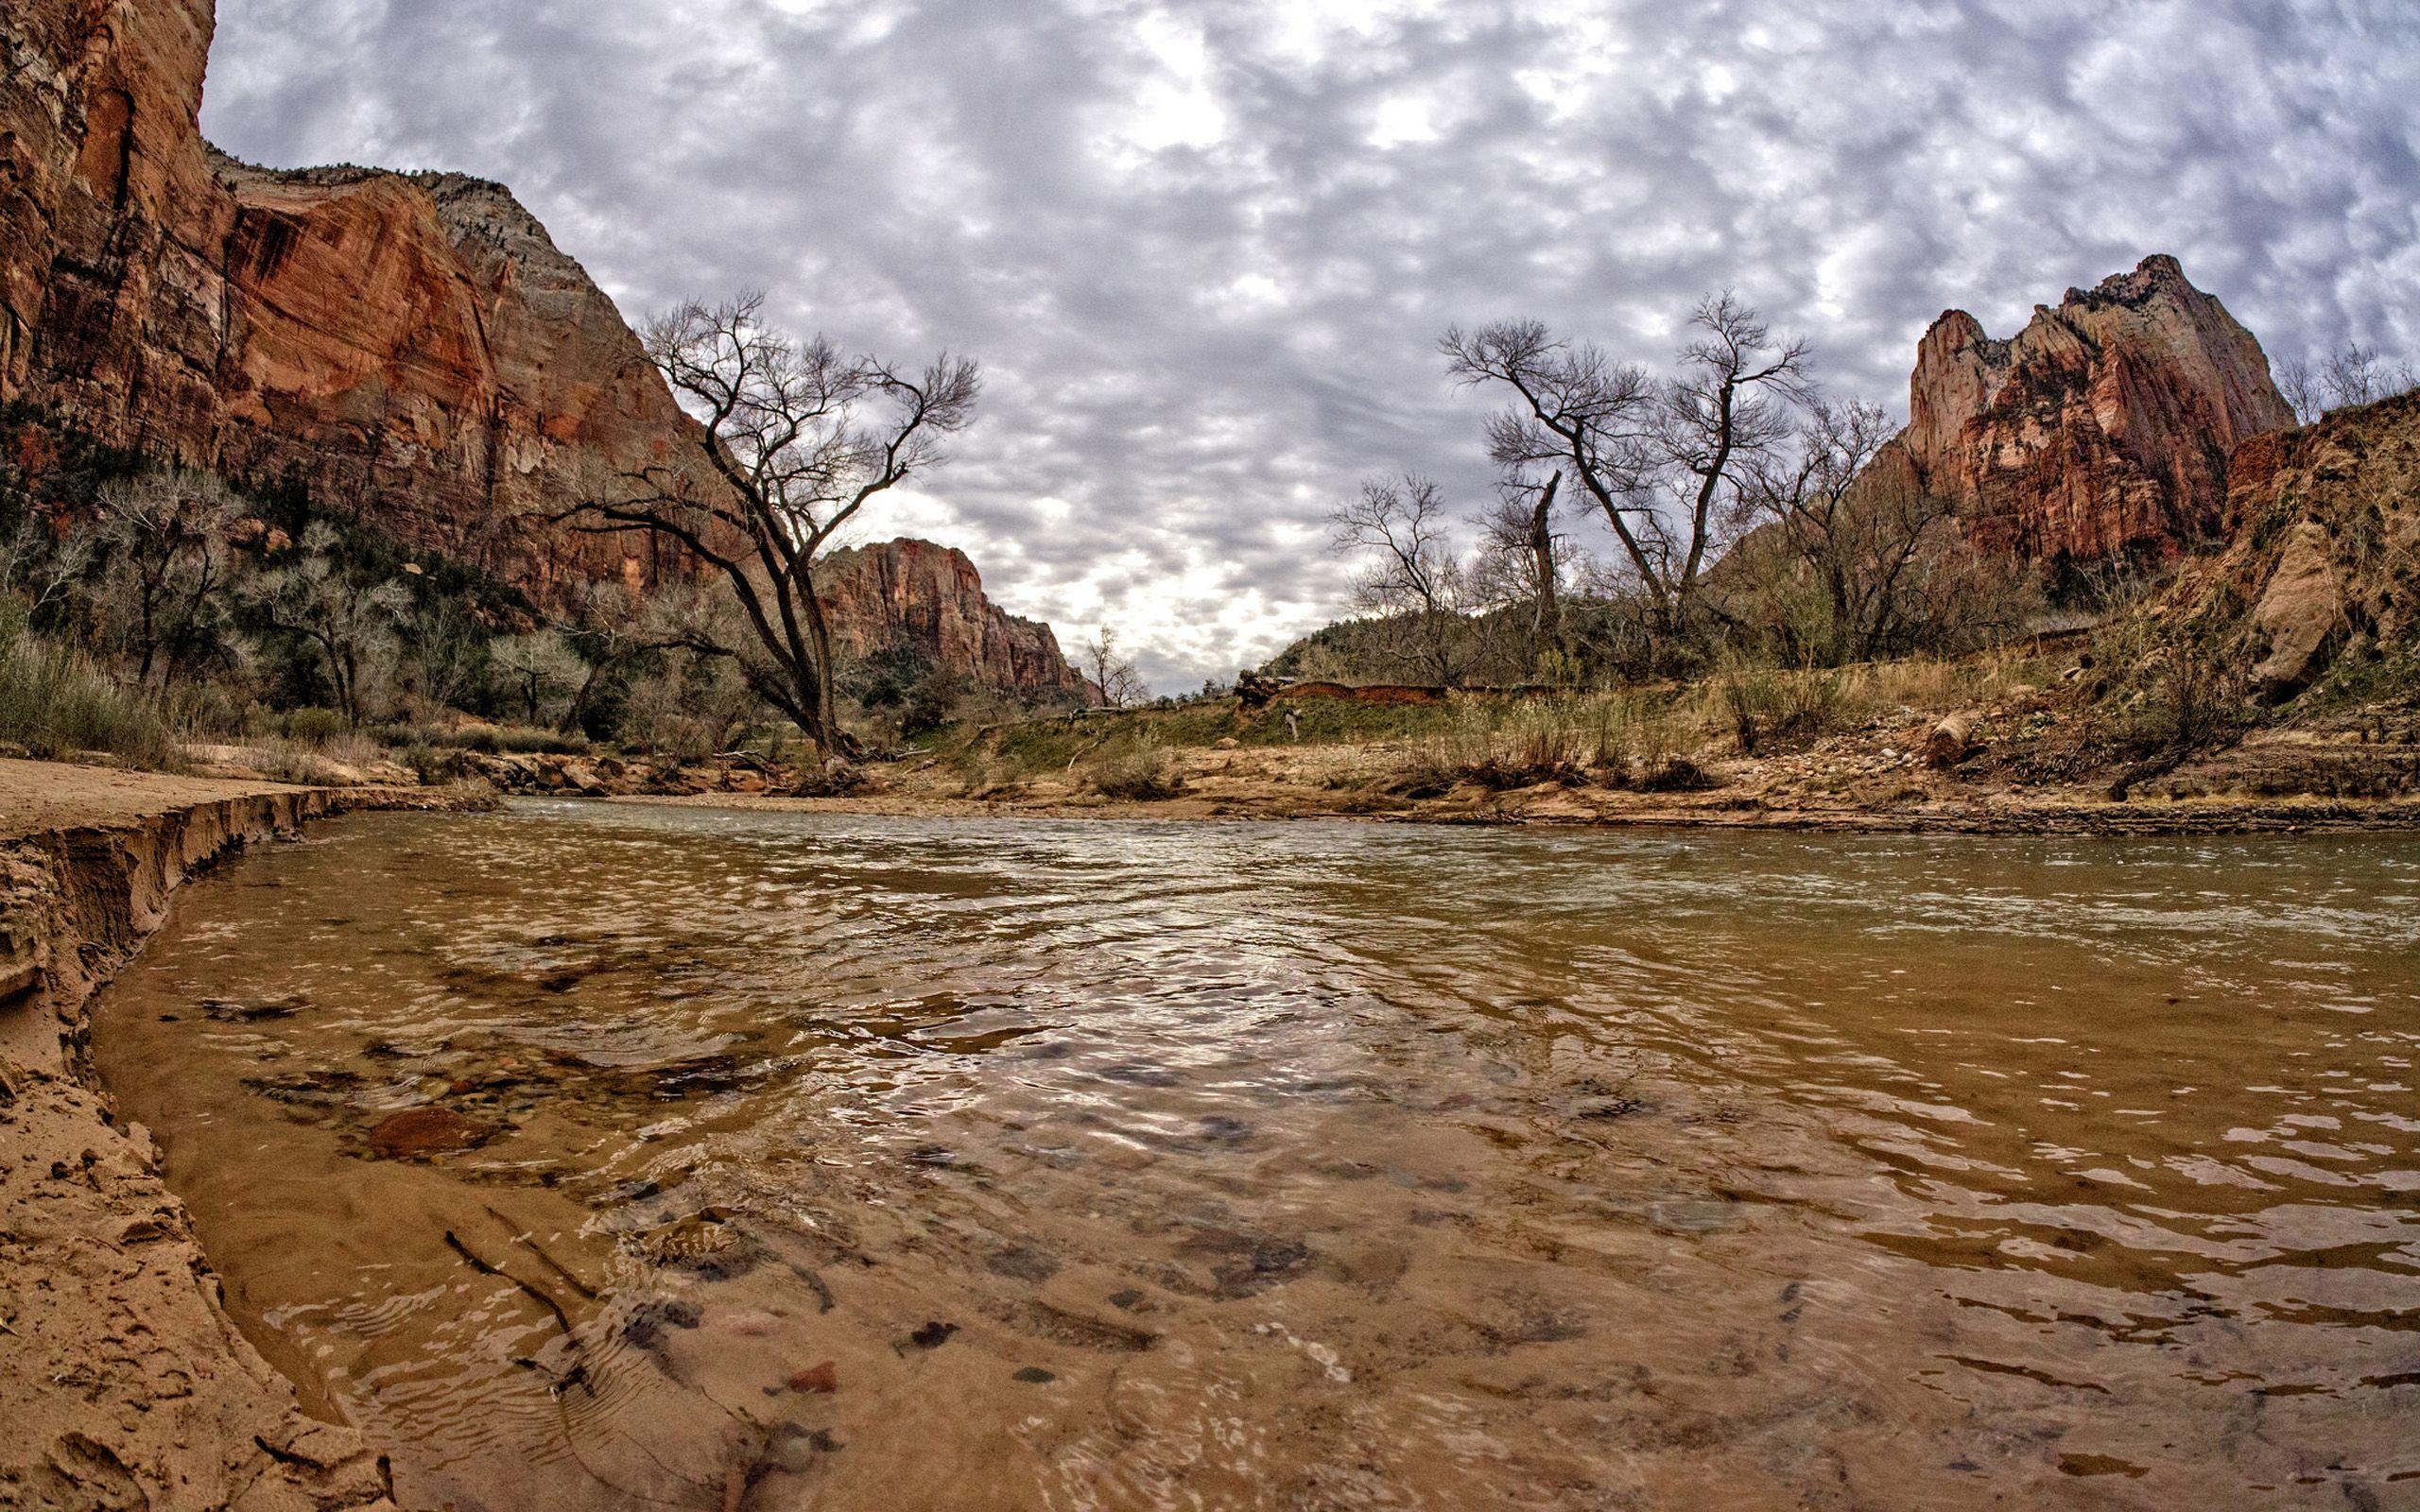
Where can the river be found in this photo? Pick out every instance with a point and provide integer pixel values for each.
(607, 1156)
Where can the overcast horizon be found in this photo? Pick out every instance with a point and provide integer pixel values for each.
(1204, 251)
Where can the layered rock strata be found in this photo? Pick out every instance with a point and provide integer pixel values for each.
(413, 347)
(927, 601)
(2103, 427)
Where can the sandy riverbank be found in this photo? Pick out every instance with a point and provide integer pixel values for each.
(122, 1382)
(1322, 785)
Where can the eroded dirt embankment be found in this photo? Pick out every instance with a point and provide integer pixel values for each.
(122, 1382)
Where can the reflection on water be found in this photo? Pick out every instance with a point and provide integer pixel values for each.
(623, 1158)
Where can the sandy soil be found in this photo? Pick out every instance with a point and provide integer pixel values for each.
(1865, 785)
(122, 1384)
(39, 796)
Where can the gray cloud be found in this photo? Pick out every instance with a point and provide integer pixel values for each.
(1204, 249)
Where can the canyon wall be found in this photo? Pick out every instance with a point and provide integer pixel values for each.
(413, 347)
(928, 600)
(2105, 426)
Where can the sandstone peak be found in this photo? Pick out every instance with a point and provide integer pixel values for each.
(413, 346)
(927, 599)
(2102, 427)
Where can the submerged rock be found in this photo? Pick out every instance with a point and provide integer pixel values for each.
(421, 1131)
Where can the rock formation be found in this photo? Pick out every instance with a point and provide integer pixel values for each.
(928, 601)
(2323, 559)
(2105, 426)
(413, 347)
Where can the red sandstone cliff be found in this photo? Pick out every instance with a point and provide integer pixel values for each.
(415, 347)
(2104, 426)
(916, 596)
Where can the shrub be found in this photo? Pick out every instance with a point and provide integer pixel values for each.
(1677, 774)
(2187, 706)
(1141, 772)
(1747, 697)
(56, 701)
(314, 727)
(509, 740)
(1762, 705)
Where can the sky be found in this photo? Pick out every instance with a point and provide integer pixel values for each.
(1205, 250)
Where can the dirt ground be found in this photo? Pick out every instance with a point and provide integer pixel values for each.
(39, 796)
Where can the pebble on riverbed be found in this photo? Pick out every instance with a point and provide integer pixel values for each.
(822, 1380)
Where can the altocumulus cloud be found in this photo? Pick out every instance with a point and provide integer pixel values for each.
(1204, 249)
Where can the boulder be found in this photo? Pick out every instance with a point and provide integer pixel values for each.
(1949, 742)
(2302, 613)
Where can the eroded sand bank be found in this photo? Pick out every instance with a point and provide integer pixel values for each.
(122, 1384)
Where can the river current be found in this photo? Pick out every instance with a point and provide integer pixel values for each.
(622, 1157)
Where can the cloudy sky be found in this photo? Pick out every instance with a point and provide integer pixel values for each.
(1204, 249)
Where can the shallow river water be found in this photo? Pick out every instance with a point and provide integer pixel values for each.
(875, 1163)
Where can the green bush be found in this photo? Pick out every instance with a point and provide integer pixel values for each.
(314, 727)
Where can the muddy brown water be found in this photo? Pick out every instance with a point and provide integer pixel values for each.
(616, 1156)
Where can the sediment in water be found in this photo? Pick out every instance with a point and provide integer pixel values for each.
(122, 1380)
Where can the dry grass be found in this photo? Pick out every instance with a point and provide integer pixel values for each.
(1138, 771)
(56, 701)
(1616, 738)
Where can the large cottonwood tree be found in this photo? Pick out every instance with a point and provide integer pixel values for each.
(1662, 458)
(797, 438)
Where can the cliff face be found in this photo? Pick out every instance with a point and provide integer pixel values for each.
(2104, 426)
(415, 347)
(928, 600)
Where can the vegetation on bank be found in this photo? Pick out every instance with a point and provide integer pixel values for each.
(147, 609)
(1673, 736)
(152, 614)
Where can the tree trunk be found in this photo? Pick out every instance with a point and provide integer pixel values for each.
(1548, 625)
(825, 729)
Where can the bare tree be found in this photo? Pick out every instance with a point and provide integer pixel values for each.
(1576, 411)
(1523, 559)
(1113, 673)
(798, 439)
(166, 542)
(1413, 583)
(612, 629)
(2299, 385)
(2352, 374)
(2356, 374)
(1726, 412)
(540, 667)
(1662, 460)
(446, 647)
(46, 573)
(1857, 544)
(338, 610)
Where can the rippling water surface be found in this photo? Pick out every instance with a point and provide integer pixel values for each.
(859, 1163)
